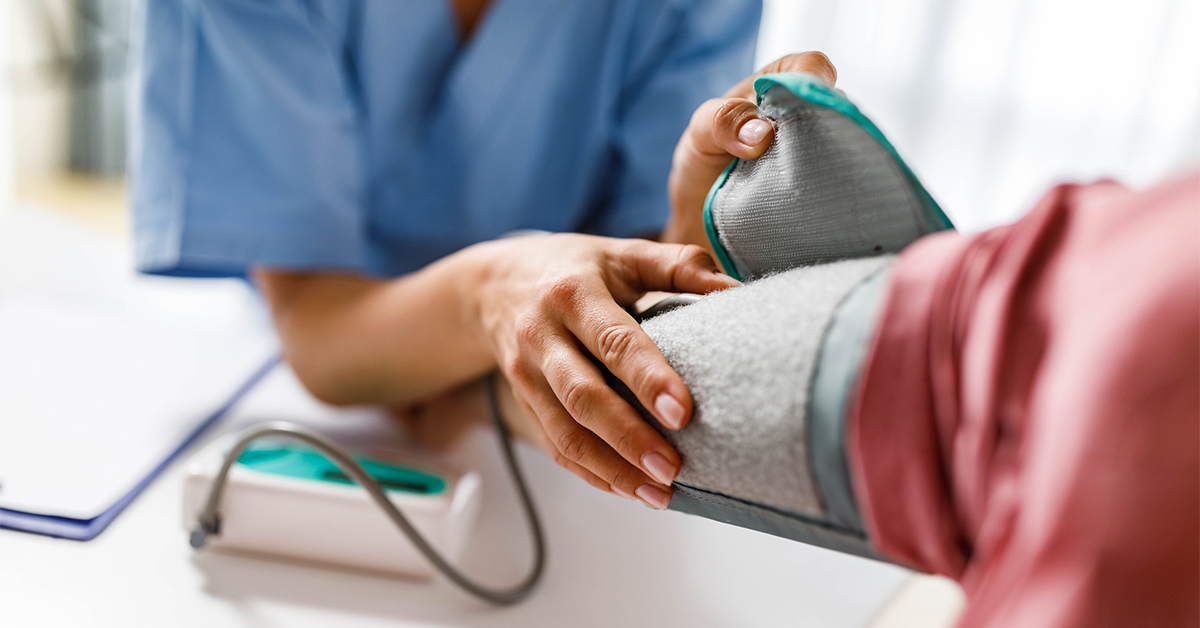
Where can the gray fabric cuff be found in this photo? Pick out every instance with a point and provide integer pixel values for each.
(826, 189)
(748, 356)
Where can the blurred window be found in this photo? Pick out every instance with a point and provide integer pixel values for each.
(992, 102)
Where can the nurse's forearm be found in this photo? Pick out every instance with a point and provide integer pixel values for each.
(356, 340)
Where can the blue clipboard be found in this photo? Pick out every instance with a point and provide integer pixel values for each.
(88, 529)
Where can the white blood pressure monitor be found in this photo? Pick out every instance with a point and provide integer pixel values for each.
(286, 499)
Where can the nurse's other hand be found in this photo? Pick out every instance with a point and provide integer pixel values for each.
(441, 422)
(721, 129)
(544, 303)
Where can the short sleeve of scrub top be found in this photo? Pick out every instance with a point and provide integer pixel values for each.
(365, 136)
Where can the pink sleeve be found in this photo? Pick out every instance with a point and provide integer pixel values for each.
(1027, 419)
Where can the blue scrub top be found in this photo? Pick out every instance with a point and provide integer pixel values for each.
(366, 136)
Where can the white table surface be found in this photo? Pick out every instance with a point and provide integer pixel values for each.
(611, 562)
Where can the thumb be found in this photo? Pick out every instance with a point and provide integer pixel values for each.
(727, 128)
(720, 130)
(736, 127)
(724, 128)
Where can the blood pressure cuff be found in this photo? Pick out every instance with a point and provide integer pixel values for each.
(771, 366)
(829, 187)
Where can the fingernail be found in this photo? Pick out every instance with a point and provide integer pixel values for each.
(753, 132)
(670, 412)
(623, 493)
(653, 496)
(659, 467)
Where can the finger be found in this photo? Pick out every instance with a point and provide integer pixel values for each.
(640, 266)
(720, 130)
(811, 62)
(578, 470)
(714, 125)
(610, 334)
(407, 417)
(519, 421)
(574, 446)
(703, 153)
(570, 446)
(582, 391)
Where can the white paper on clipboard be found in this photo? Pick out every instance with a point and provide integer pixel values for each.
(104, 372)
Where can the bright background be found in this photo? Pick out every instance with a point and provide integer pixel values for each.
(992, 101)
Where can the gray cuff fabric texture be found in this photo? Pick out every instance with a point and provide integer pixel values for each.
(748, 355)
(827, 189)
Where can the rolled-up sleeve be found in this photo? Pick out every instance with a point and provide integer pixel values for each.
(245, 139)
(697, 51)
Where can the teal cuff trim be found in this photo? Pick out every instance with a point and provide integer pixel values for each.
(711, 229)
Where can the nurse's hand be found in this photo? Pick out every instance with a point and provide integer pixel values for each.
(441, 422)
(544, 303)
(721, 129)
